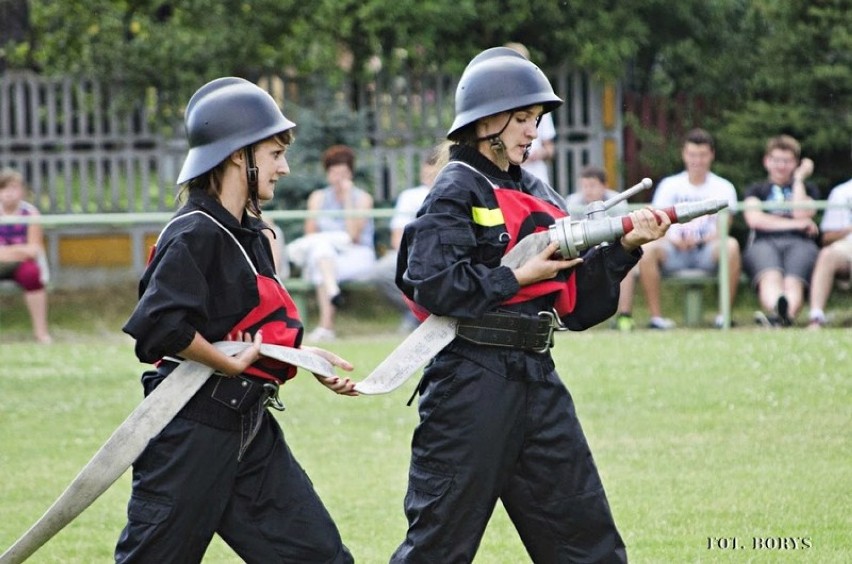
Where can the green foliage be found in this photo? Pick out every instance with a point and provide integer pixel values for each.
(762, 66)
(658, 151)
(803, 88)
(701, 48)
(174, 46)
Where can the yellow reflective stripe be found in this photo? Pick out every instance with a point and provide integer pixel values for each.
(486, 217)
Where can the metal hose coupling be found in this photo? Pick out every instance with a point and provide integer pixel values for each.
(576, 236)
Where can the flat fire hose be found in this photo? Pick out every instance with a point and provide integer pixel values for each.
(132, 436)
(422, 344)
(435, 333)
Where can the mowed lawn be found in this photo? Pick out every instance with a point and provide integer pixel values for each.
(714, 446)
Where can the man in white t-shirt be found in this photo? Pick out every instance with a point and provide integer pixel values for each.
(408, 203)
(695, 244)
(835, 257)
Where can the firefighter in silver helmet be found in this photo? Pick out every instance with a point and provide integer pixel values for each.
(496, 421)
(222, 465)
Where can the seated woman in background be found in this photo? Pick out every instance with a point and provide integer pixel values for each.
(21, 247)
(336, 247)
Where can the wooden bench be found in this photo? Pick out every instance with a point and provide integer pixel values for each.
(694, 281)
(301, 290)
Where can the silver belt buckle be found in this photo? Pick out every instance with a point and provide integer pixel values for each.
(554, 324)
(272, 400)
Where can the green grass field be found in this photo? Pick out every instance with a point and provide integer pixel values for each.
(700, 435)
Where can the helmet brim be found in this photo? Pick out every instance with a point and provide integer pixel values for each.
(499, 80)
(223, 116)
(205, 158)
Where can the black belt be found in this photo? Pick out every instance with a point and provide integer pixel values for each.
(526, 332)
(222, 401)
(231, 404)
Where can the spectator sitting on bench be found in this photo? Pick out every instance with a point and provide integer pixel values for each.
(335, 248)
(695, 244)
(835, 258)
(408, 203)
(21, 248)
(279, 248)
(593, 187)
(782, 246)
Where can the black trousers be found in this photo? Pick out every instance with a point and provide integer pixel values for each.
(482, 437)
(188, 485)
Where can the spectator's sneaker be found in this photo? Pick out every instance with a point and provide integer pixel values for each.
(662, 323)
(719, 322)
(782, 309)
(624, 323)
(321, 334)
(338, 300)
(817, 319)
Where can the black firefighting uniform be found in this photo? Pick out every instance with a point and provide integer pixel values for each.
(203, 474)
(497, 422)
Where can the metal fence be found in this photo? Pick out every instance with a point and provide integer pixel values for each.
(80, 154)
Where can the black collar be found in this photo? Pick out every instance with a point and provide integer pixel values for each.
(476, 159)
(199, 200)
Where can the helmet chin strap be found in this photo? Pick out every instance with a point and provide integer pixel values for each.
(252, 178)
(498, 147)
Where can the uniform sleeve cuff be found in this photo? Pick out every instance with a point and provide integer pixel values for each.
(505, 282)
(621, 256)
(184, 339)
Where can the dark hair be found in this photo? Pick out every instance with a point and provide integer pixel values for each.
(699, 136)
(592, 171)
(465, 136)
(338, 154)
(432, 156)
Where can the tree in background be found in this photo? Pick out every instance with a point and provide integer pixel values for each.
(14, 17)
(802, 86)
(762, 66)
(173, 46)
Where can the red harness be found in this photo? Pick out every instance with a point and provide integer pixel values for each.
(523, 215)
(275, 314)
